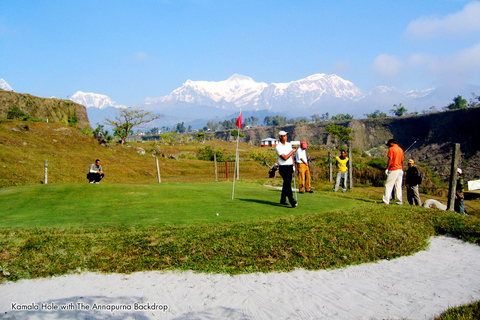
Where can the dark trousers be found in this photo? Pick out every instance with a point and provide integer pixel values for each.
(287, 174)
(95, 177)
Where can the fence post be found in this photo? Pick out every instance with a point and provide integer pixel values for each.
(350, 171)
(226, 169)
(330, 166)
(45, 174)
(453, 177)
(216, 172)
(158, 171)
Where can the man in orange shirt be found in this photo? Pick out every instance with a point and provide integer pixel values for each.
(394, 172)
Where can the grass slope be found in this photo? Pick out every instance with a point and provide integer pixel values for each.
(69, 154)
(59, 229)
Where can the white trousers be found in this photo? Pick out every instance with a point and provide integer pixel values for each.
(394, 179)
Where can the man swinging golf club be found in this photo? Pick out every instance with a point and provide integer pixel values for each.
(285, 154)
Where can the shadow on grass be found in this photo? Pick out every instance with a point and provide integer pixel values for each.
(270, 203)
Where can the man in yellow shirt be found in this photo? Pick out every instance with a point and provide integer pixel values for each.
(342, 171)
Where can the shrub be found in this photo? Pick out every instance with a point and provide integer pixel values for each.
(378, 163)
(207, 153)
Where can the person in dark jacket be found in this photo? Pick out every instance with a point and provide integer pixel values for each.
(412, 180)
(459, 204)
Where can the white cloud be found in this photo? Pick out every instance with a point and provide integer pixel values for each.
(455, 69)
(387, 66)
(464, 22)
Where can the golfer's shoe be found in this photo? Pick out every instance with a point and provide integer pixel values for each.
(301, 192)
(294, 204)
(310, 191)
(284, 203)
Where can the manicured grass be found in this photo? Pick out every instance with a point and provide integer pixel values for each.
(58, 229)
(106, 205)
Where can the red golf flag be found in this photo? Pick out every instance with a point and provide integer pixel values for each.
(239, 121)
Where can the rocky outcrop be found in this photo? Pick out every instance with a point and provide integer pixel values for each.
(430, 136)
(51, 109)
(100, 137)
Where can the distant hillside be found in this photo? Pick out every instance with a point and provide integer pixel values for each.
(435, 134)
(25, 145)
(55, 110)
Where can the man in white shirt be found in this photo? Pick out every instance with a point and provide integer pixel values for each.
(95, 174)
(285, 154)
(303, 169)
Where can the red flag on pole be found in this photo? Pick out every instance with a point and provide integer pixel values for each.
(239, 121)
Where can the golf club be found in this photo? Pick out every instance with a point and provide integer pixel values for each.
(297, 145)
(410, 146)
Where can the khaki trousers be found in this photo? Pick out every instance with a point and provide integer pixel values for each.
(394, 179)
(303, 177)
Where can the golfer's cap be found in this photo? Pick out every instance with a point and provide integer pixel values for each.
(411, 161)
(391, 141)
(304, 145)
(282, 133)
(459, 170)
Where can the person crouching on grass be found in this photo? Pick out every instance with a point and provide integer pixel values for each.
(95, 174)
(285, 154)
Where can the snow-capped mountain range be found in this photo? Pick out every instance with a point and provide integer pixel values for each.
(5, 86)
(243, 92)
(89, 99)
(197, 102)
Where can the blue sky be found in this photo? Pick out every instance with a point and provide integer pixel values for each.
(131, 50)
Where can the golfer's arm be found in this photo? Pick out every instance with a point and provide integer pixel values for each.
(285, 157)
(389, 163)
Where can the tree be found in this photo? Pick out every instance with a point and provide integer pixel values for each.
(376, 114)
(458, 103)
(342, 116)
(340, 133)
(180, 127)
(154, 131)
(475, 100)
(316, 118)
(234, 133)
(228, 124)
(128, 118)
(212, 125)
(398, 110)
(201, 136)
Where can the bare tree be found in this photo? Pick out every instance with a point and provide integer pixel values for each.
(128, 118)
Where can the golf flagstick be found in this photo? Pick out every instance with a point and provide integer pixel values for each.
(239, 125)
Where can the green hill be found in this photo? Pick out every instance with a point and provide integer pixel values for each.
(15, 105)
(69, 154)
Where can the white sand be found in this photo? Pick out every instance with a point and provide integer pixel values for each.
(421, 286)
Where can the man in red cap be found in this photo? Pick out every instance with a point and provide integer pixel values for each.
(303, 169)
